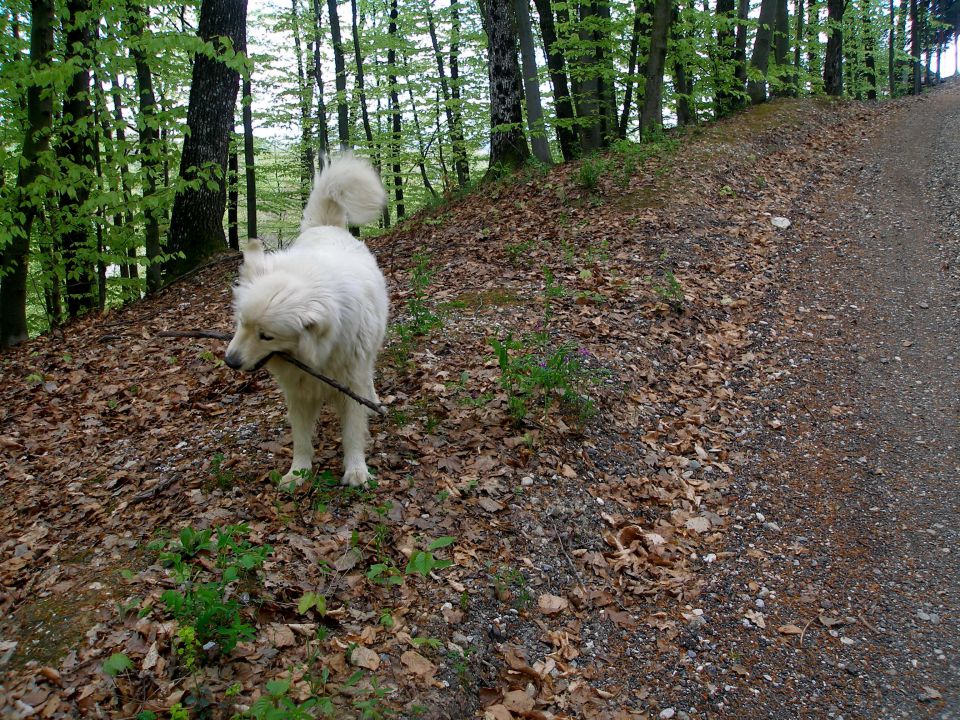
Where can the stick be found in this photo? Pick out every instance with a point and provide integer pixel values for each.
(212, 334)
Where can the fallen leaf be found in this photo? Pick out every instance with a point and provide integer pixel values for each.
(789, 630)
(365, 657)
(518, 701)
(418, 664)
(552, 604)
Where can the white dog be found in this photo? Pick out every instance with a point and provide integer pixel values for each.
(323, 301)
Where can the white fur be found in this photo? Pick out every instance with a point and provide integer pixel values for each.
(323, 300)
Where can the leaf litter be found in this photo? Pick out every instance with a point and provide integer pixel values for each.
(579, 540)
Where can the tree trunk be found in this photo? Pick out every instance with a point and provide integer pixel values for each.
(454, 127)
(869, 52)
(233, 201)
(531, 84)
(196, 226)
(461, 158)
(596, 108)
(781, 47)
(892, 52)
(562, 104)
(729, 88)
(508, 145)
(129, 271)
(396, 136)
(15, 258)
(305, 86)
(833, 59)
(814, 60)
(798, 50)
(740, 51)
(248, 159)
(77, 149)
(632, 59)
(651, 116)
(762, 43)
(323, 135)
(340, 67)
(151, 147)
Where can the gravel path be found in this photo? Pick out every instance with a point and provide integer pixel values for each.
(847, 536)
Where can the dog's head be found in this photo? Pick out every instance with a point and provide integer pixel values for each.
(276, 311)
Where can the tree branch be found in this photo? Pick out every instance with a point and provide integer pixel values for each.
(212, 334)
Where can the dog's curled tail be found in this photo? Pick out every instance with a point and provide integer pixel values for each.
(348, 189)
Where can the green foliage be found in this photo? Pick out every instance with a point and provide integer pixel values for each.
(534, 372)
(116, 664)
(423, 562)
(671, 292)
(206, 609)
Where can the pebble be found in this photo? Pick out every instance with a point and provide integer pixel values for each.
(668, 713)
(526, 481)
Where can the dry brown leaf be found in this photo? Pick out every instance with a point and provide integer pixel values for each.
(365, 657)
(789, 630)
(552, 604)
(418, 664)
(518, 701)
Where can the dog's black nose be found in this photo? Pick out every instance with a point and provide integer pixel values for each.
(232, 362)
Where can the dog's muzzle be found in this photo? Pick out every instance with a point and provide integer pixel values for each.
(234, 363)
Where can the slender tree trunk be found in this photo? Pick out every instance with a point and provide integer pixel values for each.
(632, 58)
(762, 43)
(396, 137)
(729, 89)
(781, 47)
(129, 271)
(798, 50)
(833, 60)
(508, 145)
(76, 150)
(323, 135)
(682, 81)
(249, 160)
(151, 146)
(340, 66)
(892, 52)
(869, 51)
(233, 200)
(461, 157)
(531, 84)
(16, 255)
(651, 116)
(814, 59)
(562, 104)
(421, 147)
(196, 226)
(740, 51)
(454, 127)
(305, 85)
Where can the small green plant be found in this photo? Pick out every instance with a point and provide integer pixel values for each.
(34, 379)
(222, 478)
(116, 664)
(516, 252)
(538, 372)
(670, 293)
(421, 319)
(202, 605)
(276, 704)
(428, 642)
(423, 562)
(590, 172)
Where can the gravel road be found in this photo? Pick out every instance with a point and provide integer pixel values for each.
(847, 535)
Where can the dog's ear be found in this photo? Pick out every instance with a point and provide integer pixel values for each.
(317, 318)
(254, 260)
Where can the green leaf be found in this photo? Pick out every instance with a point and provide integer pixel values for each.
(441, 542)
(116, 664)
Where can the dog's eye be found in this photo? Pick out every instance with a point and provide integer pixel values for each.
(265, 337)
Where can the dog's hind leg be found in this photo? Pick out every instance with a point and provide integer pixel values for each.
(303, 411)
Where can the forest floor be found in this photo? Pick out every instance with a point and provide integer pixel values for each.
(756, 514)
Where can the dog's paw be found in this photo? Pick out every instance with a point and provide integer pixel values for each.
(294, 479)
(356, 476)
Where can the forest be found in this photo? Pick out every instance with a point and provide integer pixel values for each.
(141, 138)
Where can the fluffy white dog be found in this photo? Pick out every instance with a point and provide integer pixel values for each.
(323, 301)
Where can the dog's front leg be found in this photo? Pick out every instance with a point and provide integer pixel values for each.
(353, 424)
(303, 413)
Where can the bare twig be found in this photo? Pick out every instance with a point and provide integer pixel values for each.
(154, 490)
(804, 631)
(214, 335)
